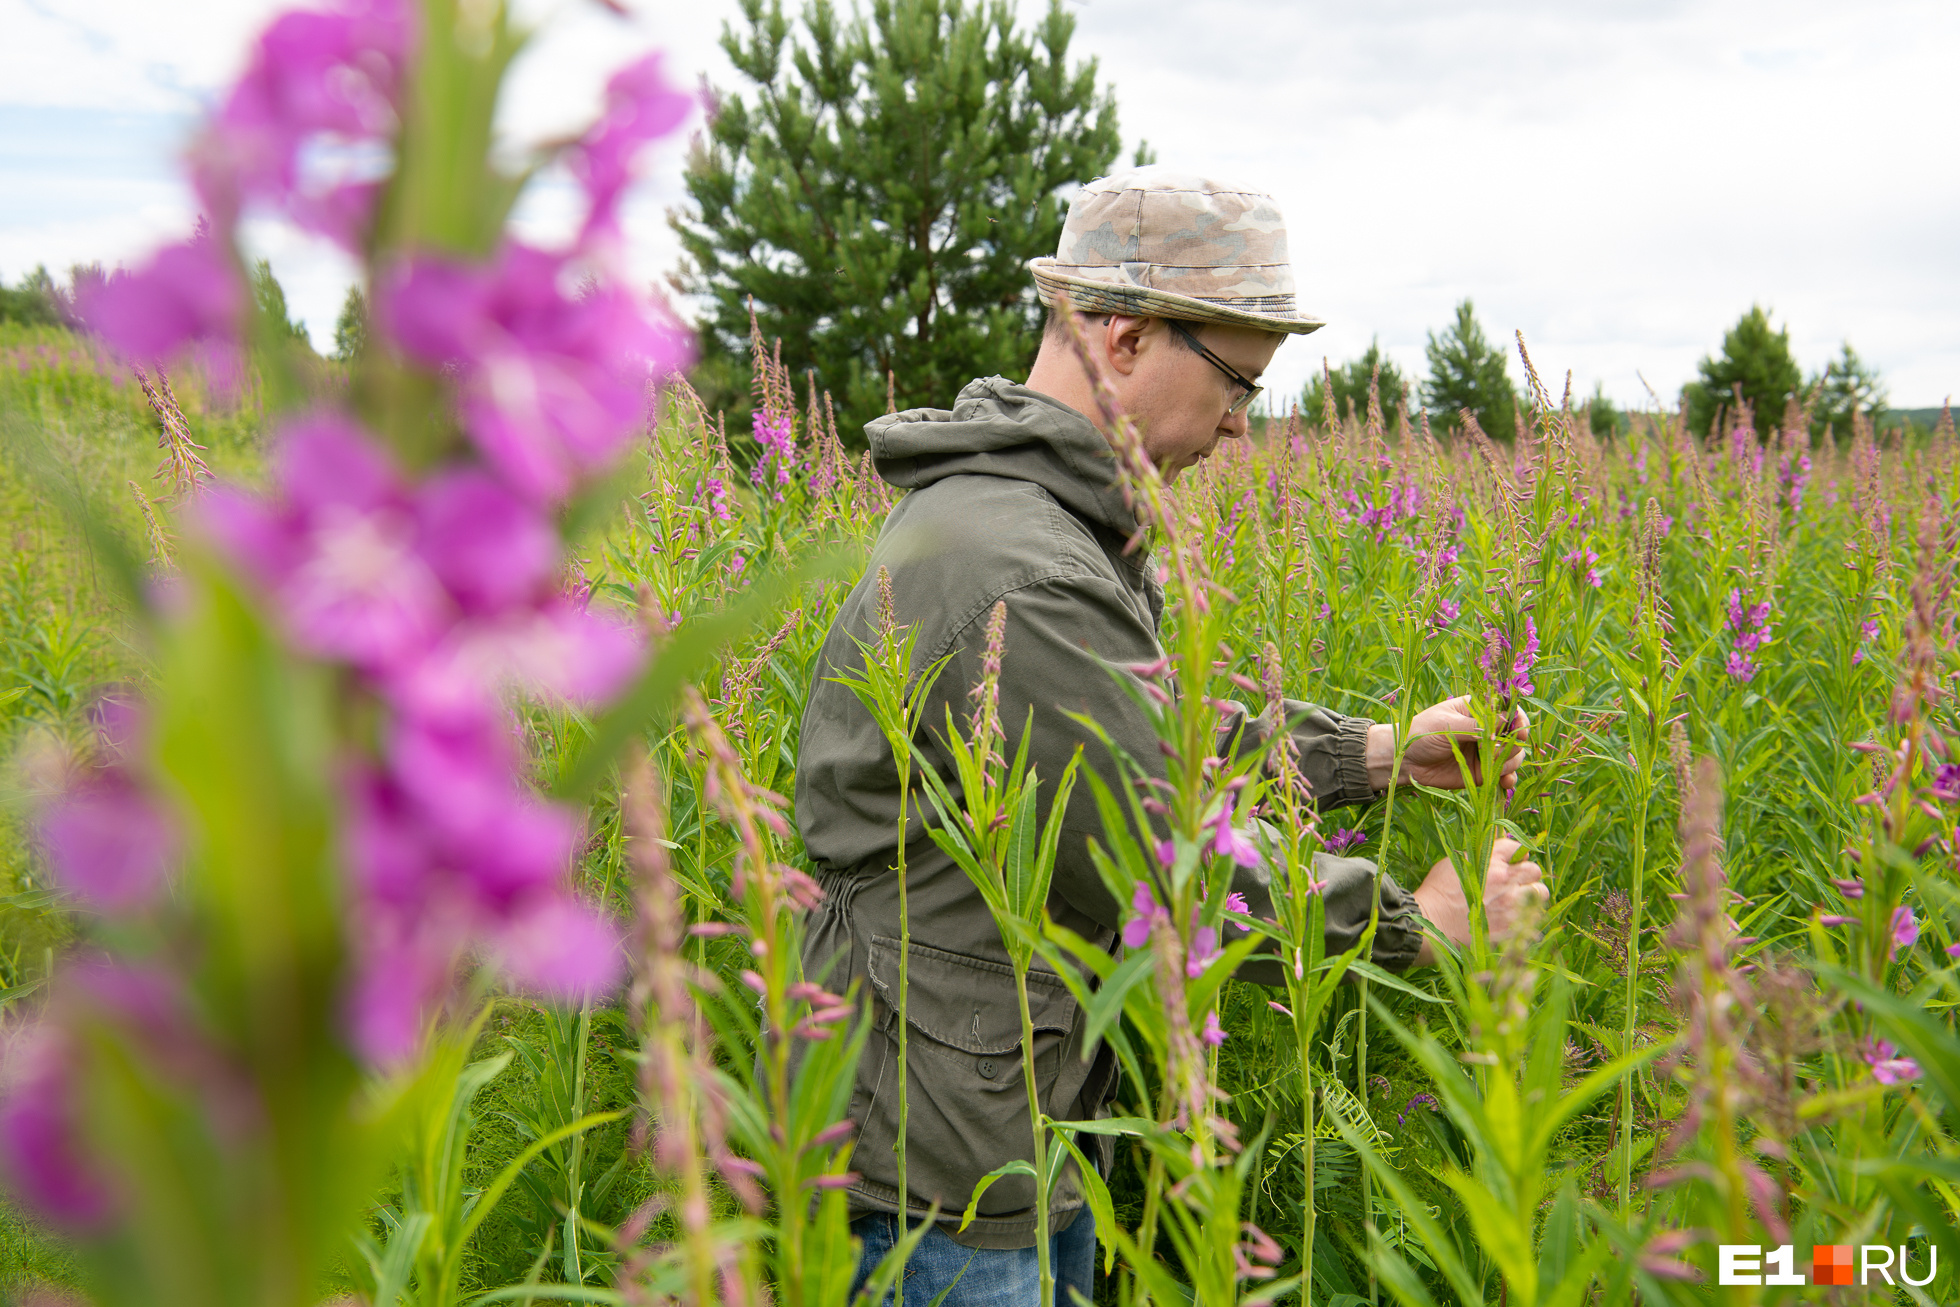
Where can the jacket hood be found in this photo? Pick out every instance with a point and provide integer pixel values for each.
(997, 428)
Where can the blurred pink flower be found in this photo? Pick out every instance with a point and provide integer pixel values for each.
(42, 1155)
(1203, 951)
(563, 947)
(330, 77)
(188, 293)
(640, 106)
(109, 844)
(1136, 931)
(491, 549)
(553, 379)
(1214, 1034)
(1888, 1066)
(1905, 930)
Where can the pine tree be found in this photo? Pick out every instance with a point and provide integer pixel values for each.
(877, 191)
(351, 329)
(1468, 374)
(1351, 386)
(1847, 385)
(1755, 358)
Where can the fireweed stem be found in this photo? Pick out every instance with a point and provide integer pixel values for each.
(1637, 905)
(902, 755)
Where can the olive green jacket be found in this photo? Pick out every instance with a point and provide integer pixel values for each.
(1010, 498)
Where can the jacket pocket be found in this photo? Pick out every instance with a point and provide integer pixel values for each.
(968, 1099)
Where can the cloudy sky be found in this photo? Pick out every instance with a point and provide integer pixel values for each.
(1620, 181)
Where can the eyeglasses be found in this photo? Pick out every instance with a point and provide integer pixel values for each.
(1251, 389)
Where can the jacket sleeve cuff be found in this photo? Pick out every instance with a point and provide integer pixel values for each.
(1351, 762)
(1350, 891)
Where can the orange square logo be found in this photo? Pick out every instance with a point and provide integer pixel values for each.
(1830, 1263)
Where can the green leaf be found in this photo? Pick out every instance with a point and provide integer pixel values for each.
(1015, 1167)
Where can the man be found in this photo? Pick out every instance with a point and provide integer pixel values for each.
(1184, 290)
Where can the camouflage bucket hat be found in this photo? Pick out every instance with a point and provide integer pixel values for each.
(1163, 244)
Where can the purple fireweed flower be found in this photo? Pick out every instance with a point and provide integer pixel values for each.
(1136, 931)
(328, 78)
(337, 550)
(1203, 951)
(776, 433)
(187, 294)
(42, 1154)
(1508, 670)
(1580, 562)
(491, 550)
(1342, 839)
(1905, 930)
(1870, 628)
(553, 379)
(1235, 902)
(1835, 919)
(1888, 1066)
(1447, 611)
(1851, 889)
(1794, 476)
(1228, 841)
(641, 106)
(1946, 782)
(1749, 631)
(718, 499)
(109, 843)
(1214, 1034)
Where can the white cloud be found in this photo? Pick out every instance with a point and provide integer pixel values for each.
(1619, 180)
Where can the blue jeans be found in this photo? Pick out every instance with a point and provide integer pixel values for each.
(987, 1277)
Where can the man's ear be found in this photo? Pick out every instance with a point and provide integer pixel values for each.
(1125, 339)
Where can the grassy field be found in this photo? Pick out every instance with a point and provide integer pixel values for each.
(1752, 600)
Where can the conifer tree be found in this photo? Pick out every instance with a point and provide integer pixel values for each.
(1469, 374)
(1756, 358)
(1848, 385)
(1351, 385)
(876, 189)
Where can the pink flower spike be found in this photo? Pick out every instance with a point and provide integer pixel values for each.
(1905, 930)
(1280, 1008)
(1214, 1034)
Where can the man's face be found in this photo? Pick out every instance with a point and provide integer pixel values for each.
(1180, 400)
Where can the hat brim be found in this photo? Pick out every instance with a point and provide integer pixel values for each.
(1090, 296)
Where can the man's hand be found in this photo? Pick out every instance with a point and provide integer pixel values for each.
(1511, 890)
(1429, 759)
